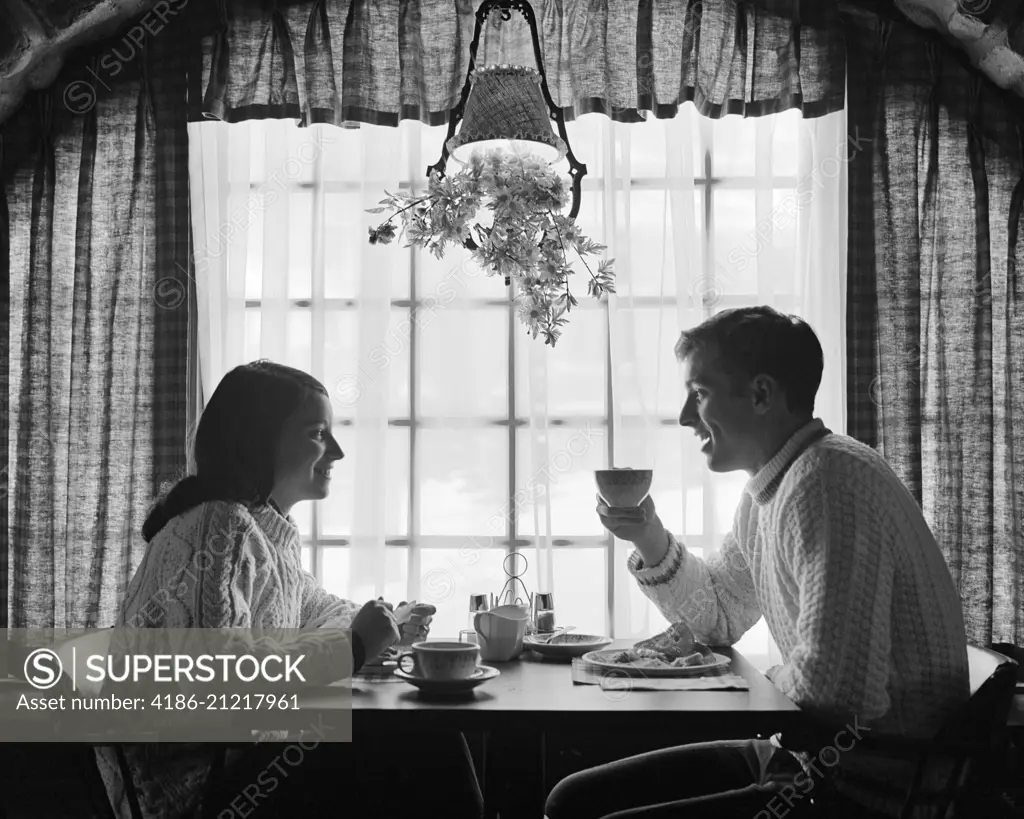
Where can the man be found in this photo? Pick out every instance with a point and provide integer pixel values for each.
(829, 546)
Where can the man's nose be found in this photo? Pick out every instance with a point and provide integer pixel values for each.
(688, 415)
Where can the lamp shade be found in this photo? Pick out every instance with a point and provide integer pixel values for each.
(507, 110)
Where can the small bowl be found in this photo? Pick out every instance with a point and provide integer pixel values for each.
(567, 645)
(624, 487)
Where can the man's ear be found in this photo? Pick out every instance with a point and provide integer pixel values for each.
(764, 393)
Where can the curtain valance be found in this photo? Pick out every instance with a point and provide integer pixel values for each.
(347, 62)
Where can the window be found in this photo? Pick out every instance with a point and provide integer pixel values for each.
(459, 431)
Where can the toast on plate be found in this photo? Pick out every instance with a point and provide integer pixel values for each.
(674, 643)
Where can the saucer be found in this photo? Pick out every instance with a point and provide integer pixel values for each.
(482, 674)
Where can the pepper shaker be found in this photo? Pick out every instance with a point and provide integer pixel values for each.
(544, 612)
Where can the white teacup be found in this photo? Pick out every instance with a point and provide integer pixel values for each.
(438, 660)
(624, 487)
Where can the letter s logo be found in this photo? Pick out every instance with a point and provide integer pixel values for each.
(43, 668)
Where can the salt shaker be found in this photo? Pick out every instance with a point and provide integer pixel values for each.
(544, 612)
(477, 602)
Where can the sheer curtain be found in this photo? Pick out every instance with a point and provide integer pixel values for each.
(466, 439)
(701, 215)
(281, 250)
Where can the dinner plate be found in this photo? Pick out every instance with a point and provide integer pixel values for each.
(568, 645)
(449, 687)
(603, 659)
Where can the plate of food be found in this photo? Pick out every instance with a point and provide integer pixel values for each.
(567, 645)
(673, 653)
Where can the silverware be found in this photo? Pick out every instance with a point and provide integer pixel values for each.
(547, 638)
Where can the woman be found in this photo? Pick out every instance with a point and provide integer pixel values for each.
(223, 552)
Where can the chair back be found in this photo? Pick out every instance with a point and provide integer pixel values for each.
(980, 724)
(993, 685)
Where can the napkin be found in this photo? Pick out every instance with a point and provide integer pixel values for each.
(584, 673)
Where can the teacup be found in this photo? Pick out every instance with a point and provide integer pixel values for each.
(438, 660)
(624, 487)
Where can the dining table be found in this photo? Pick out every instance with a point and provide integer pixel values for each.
(534, 701)
(528, 712)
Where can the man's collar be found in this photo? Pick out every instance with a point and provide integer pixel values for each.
(763, 485)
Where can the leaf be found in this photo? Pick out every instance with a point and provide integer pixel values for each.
(376, 210)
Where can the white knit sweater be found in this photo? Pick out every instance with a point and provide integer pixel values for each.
(218, 565)
(830, 547)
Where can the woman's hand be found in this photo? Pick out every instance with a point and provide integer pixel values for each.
(376, 627)
(413, 620)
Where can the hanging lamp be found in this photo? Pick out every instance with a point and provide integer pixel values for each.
(508, 107)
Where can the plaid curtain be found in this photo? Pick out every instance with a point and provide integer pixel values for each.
(345, 61)
(935, 311)
(95, 230)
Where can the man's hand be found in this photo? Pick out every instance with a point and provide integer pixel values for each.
(639, 525)
(376, 627)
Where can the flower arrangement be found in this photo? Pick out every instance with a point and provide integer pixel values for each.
(528, 241)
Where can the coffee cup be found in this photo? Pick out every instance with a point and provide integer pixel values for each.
(439, 660)
(624, 487)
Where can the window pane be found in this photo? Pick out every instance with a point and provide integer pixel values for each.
(344, 152)
(340, 568)
(462, 476)
(647, 149)
(307, 559)
(651, 268)
(253, 322)
(591, 222)
(302, 514)
(655, 244)
(786, 143)
(344, 266)
(732, 148)
(300, 244)
(580, 589)
(728, 491)
(350, 372)
(450, 576)
(655, 380)
(254, 206)
(567, 463)
(585, 135)
(446, 281)
(336, 509)
(287, 341)
(463, 362)
(737, 244)
(576, 368)
(296, 151)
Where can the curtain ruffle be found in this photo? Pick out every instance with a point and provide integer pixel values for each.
(346, 62)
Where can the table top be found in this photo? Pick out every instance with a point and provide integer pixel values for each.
(534, 691)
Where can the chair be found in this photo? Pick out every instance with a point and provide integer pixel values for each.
(975, 737)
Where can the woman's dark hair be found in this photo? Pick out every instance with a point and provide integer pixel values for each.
(754, 341)
(237, 439)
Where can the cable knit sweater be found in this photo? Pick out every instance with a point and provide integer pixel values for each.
(217, 565)
(830, 547)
